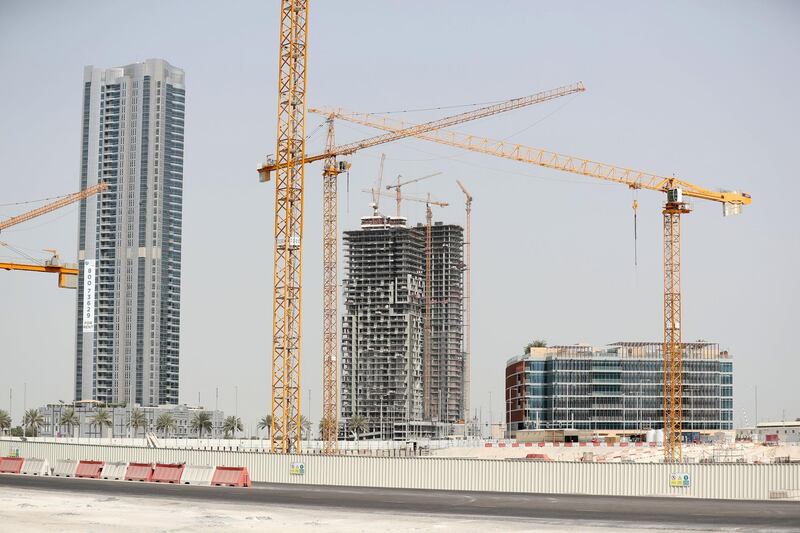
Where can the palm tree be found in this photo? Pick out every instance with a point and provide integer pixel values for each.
(70, 419)
(358, 424)
(166, 423)
(327, 426)
(266, 423)
(33, 421)
(103, 418)
(305, 426)
(137, 420)
(231, 425)
(201, 421)
(5, 421)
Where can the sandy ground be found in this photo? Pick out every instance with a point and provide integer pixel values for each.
(24, 511)
(749, 452)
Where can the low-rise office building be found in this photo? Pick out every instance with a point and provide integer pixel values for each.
(56, 424)
(619, 387)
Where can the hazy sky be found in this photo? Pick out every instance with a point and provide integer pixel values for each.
(704, 90)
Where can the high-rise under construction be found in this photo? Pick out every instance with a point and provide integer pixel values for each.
(383, 328)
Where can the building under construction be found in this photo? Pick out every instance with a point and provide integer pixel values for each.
(383, 328)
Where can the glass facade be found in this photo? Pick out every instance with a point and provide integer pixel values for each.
(619, 387)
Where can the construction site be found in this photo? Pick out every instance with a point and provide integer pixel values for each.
(397, 408)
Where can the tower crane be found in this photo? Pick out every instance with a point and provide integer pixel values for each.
(467, 301)
(290, 149)
(67, 273)
(399, 185)
(288, 167)
(674, 207)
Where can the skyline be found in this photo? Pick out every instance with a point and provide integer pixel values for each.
(681, 116)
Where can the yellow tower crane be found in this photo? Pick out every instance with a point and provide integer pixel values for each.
(398, 187)
(675, 206)
(288, 167)
(67, 274)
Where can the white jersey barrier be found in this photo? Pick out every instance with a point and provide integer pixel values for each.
(65, 467)
(198, 475)
(114, 470)
(36, 467)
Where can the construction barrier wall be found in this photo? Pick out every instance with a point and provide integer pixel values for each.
(114, 470)
(36, 467)
(726, 481)
(63, 466)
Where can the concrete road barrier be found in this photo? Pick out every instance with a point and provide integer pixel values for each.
(65, 468)
(11, 465)
(139, 472)
(115, 470)
(168, 473)
(36, 467)
(89, 469)
(231, 476)
(198, 475)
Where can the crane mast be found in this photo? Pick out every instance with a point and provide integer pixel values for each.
(288, 261)
(673, 344)
(467, 301)
(427, 329)
(330, 315)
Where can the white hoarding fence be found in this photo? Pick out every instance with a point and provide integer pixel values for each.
(725, 481)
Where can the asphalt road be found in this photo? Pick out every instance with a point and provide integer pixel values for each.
(672, 513)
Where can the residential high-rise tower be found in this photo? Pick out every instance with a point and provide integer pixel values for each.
(129, 249)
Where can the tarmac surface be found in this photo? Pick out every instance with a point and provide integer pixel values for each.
(631, 512)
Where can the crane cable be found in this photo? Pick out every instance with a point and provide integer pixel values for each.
(35, 201)
(635, 230)
(20, 252)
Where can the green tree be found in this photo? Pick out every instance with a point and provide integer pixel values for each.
(305, 426)
(231, 425)
(70, 419)
(538, 343)
(5, 421)
(102, 418)
(201, 422)
(327, 427)
(358, 425)
(266, 423)
(166, 423)
(33, 421)
(137, 420)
